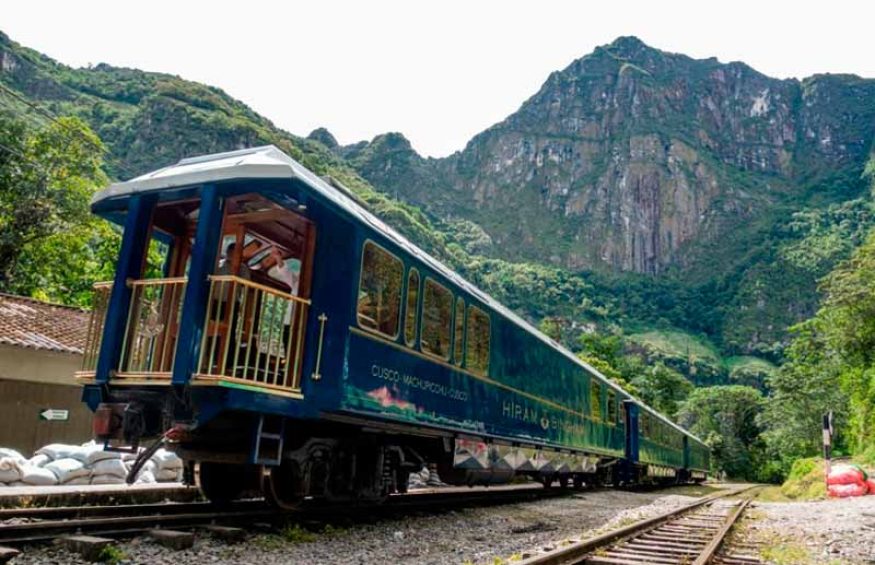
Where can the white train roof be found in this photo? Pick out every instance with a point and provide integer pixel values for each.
(269, 162)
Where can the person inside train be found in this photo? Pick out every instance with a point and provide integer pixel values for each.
(226, 305)
(279, 269)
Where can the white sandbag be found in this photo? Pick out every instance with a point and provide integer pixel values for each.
(58, 450)
(11, 454)
(39, 460)
(10, 470)
(18, 484)
(167, 475)
(147, 466)
(38, 476)
(107, 480)
(145, 478)
(110, 467)
(93, 455)
(165, 460)
(83, 480)
(132, 456)
(67, 469)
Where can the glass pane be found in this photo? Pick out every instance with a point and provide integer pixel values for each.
(379, 302)
(595, 395)
(437, 316)
(477, 350)
(459, 331)
(410, 317)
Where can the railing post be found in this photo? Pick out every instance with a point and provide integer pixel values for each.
(135, 240)
(194, 306)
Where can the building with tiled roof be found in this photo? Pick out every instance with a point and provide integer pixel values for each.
(41, 347)
(26, 322)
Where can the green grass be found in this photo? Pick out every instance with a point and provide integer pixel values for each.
(806, 480)
(750, 363)
(111, 554)
(678, 344)
(786, 554)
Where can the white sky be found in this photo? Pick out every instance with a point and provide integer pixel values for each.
(439, 72)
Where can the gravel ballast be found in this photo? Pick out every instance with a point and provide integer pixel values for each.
(477, 535)
(836, 530)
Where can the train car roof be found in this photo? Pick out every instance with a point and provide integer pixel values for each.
(269, 162)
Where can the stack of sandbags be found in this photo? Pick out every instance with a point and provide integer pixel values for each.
(10, 466)
(62, 464)
(847, 480)
(168, 466)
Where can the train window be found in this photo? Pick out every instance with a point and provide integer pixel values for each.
(410, 317)
(379, 301)
(477, 350)
(437, 318)
(595, 399)
(459, 332)
(612, 406)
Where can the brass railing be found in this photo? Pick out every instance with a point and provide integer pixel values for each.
(94, 332)
(253, 334)
(152, 328)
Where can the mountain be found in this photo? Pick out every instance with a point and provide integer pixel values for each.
(637, 189)
(636, 161)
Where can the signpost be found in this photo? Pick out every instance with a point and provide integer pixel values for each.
(54, 415)
(827, 443)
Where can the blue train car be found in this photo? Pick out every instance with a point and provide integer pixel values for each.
(296, 344)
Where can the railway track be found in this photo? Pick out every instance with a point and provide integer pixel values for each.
(691, 535)
(32, 525)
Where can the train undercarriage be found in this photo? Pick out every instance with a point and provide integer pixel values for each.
(240, 454)
(339, 462)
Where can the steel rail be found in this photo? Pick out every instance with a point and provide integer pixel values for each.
(577, 552)
(711, 549)
(40, 524)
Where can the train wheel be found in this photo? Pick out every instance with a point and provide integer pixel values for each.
(546, 480)
(578, 481)
(563, 481)
(221, 483)
(282, 486)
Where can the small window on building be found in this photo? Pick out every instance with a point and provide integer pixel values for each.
(437, 319)
(612, 407)
(477, 350)
(459, 331)
(379, 301)
(411, 317)
(595, 399)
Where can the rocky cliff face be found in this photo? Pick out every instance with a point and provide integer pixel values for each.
(633, 159)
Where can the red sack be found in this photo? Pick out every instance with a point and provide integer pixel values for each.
(871, 484)
(845, 475)
(842, 491)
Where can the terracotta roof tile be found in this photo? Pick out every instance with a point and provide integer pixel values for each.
(27, 322)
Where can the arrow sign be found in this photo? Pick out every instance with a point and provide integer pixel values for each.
(51, 414)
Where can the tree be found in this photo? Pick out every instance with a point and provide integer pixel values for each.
(804, 388)
(663, 388)
(725, 417)
(47, 177)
